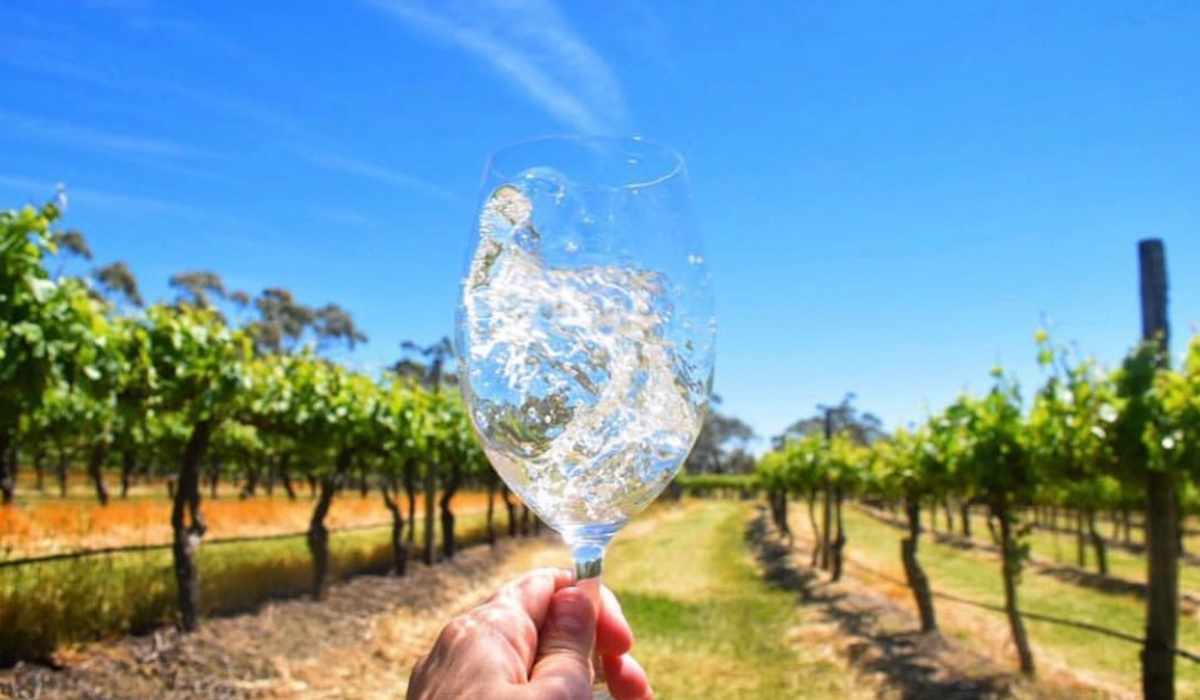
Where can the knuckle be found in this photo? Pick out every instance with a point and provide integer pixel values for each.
(455, 631)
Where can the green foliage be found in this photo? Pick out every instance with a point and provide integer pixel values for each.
(43, 322)
(1072, 432)
(994, 443)
(1172, 433)
(804, 464)
(81, 378)
(1086, 440)
(198, 362)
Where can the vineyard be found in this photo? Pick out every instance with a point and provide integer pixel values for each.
(175, 400)
(1123, 444)
(200, 456)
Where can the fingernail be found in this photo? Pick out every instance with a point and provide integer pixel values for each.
(571, 611)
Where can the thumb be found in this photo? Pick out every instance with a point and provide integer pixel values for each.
(564, 665)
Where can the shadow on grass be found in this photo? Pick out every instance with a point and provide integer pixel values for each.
(1029, 615)
(914, 663)
(1101, 583)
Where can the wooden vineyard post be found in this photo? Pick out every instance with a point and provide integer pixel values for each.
(1162, 516)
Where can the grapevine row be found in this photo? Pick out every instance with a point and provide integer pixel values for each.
(179, 386)
(1087, 440)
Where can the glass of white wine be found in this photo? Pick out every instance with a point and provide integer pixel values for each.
(585, 330)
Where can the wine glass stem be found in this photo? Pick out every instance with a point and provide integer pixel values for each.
(589, 564)
(589, 559)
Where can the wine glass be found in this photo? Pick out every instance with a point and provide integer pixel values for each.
(585, 330)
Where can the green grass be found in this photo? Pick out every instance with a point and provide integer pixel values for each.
(707, 624)
(1060, 548)
(972, 576)
(44, 606)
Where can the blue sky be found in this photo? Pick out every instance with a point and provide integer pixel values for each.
(892, 196)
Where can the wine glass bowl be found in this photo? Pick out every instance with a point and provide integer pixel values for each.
(585, 329)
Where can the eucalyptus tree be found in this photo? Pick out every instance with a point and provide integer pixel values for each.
(72, 241)
(200, 289)
(281, 321)
(333, 324)
(721, 437)
(120, 283)
(843, 417)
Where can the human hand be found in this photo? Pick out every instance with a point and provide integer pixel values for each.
(533, 640)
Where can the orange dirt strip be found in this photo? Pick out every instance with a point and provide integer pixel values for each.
(52, 526)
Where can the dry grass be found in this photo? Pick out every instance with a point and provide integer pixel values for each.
(50, 526)
(708, 625)
(1067, 657)
(44, 606)
(711, 624)
(360, 643)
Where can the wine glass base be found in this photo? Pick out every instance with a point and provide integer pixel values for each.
(600, 692)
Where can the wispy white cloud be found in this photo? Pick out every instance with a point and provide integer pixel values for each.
(77, 136)
(378, 173)
(532, 44)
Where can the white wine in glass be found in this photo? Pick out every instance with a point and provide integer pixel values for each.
(585, 330)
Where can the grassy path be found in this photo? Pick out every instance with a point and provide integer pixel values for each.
(708, 625)
(716, 618)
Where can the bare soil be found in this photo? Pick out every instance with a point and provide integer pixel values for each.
(364, 639)
(874, 622)
(359, 643)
